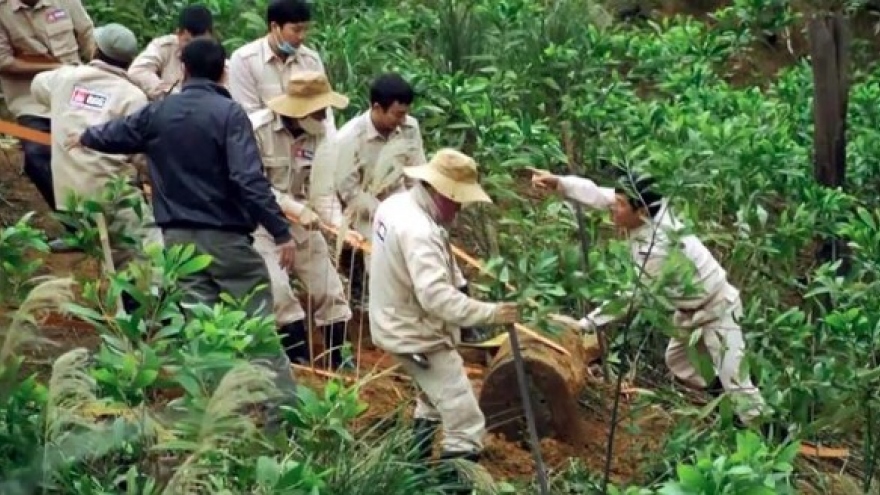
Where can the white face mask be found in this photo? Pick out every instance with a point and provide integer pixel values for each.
(312, 126)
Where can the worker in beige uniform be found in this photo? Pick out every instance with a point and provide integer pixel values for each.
(84, 95)
(289, 133)
(713, 310)
(416, 308)
(36, 36)
(261, 69)
(158, 70)
(361, 181)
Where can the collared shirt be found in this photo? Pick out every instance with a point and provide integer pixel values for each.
(204, 161)
(158, 69)
(61, 29)
(256, 74)
(359, 146)
(415, 303)
(652, 245)
(77, 97)
(289, 163)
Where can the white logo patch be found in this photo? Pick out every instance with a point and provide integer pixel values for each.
(88, 99)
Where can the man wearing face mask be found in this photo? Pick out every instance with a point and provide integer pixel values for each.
(157, 70)
(416, 308)
(289, 132)
(260, 70)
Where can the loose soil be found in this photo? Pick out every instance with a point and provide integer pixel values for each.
(640, 434)
(387, 396)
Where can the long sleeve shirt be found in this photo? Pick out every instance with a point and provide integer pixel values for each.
(651, 246)
(204, 161)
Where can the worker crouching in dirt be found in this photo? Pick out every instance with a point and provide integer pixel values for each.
(416, 309)
(289, 132)
(643, 214)
(78, 96)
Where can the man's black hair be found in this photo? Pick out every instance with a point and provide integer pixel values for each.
(99, 55)
(196, 20)
(389, 88)
(283, 12)
(204, 58)
(641, 191)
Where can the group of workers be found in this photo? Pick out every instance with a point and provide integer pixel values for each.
(236, 147)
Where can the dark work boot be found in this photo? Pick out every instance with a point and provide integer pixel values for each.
(295, 342)
(451, 480)
(334, 341)
(424, 431)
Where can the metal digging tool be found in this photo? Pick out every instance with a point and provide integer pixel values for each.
(529, 413)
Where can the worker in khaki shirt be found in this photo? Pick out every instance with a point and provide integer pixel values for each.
(711, 312)
(81, 96)
(289, 132)
(261, 69)
(416, 308)
(359, 182)
(36, 36)
(157, 70)
(372, 151)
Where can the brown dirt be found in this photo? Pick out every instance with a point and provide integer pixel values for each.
(386, 396)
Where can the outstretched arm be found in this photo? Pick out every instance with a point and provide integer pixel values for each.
(126, 135)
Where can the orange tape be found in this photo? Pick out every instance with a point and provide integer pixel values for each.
(25, 133)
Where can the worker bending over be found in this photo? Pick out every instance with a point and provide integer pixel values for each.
(36, 36)
(416, 308)
(79, 96)
(289, 132)
(651, 229)
(158, 70)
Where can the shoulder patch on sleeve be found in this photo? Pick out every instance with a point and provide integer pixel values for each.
(261, 117)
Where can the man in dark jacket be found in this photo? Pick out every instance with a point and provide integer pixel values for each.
(208, 185)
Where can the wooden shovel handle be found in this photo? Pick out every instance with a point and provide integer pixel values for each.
(25, 133)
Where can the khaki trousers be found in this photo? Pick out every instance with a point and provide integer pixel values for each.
(447, 396)
(722, 340)
(313, 267)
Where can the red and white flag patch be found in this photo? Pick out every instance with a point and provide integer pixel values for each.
(55, 15)
(88, 99)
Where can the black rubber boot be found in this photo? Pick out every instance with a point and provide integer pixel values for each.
(424, 431)
(334, 341)
(451, 480)
(295, 343)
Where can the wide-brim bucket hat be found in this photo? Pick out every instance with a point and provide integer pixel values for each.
(307, 93)
(452, 174)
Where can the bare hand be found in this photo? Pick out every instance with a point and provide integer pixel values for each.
(354, 238)
(287, 255)
(72, 141)
(543, 179)
(506, 313)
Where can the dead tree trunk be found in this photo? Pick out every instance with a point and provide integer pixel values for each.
(555, 385)
(829, 49)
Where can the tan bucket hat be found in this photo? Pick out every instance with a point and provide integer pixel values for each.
(307, 92)
(453, 174)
